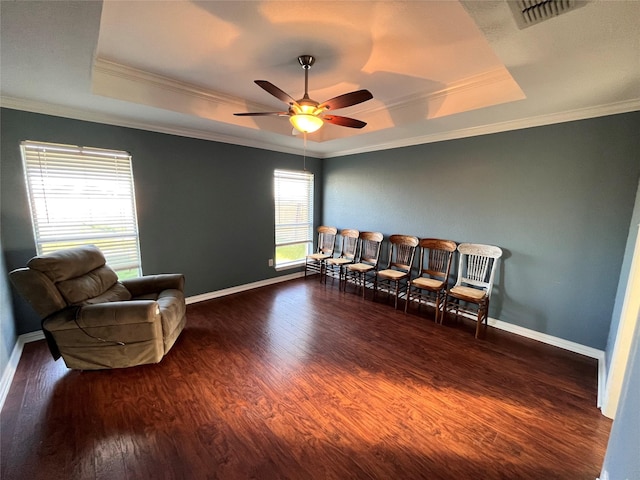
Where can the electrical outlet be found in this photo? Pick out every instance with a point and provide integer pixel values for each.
(271, 262)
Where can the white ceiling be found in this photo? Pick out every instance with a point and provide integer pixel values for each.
(437, 69)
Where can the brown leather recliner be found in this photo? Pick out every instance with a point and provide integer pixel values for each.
(95, 321)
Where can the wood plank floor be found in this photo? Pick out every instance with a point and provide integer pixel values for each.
(301, 381)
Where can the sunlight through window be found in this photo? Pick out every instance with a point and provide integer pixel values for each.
(81, 196)
(293, 192)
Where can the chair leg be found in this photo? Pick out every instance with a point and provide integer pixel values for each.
(479, 320)
(328, 270)
(483, 317)
(375, 286)
(446, 311)
(363, 279)
(406, 304)
(395, 305)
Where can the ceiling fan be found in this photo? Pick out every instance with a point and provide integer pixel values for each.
(307, 115)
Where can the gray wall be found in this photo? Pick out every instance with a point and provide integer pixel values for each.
(205, 209)
(558, 199)
(7, 322)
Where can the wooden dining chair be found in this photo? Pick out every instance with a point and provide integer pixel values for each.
(431, 282)
(336, 266)
(477, 265)
(368, 259)
(402, 249)
(314, 263)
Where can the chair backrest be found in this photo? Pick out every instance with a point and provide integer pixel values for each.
(435, 257)
(349, 239)
(402, 251)
(477, 265)
(327, 239)
(370, 243)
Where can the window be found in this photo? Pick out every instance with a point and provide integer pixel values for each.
(82, 196)
(293, 192)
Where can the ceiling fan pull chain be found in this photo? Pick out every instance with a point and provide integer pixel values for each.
(304, 156)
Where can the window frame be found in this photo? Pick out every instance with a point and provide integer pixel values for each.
(304, 234)
(83, 195)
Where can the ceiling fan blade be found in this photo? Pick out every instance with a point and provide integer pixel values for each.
(347, 99)
(261, 114)
(343, 121)
(275, 91)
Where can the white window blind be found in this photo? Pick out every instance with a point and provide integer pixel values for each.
(293, 192)
(81, 196)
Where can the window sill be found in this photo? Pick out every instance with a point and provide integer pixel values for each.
(289, 266)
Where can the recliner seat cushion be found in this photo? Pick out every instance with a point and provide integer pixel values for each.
(117, 293)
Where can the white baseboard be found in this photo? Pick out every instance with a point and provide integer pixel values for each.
(14, 359)
(561, 343)
(548, 339)
(242, 288)
(10, 370)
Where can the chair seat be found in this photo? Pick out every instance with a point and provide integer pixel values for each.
(339, 261)
(427, 283)
(360, 267)
(468, 293)
(392, 274)
(318, 256)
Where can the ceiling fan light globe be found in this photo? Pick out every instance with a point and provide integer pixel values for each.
(306, 123)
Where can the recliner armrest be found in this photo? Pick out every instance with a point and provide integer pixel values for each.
(105, 315)
(154, 283)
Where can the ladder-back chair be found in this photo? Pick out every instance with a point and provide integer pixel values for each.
(370, 243)
(430, 285)
(315, 262)
(402, 249)
(477, 265)
(335, 266)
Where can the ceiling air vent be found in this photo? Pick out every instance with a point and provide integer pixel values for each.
(530, 12)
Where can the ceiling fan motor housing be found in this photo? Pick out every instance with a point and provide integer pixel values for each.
(306, 61)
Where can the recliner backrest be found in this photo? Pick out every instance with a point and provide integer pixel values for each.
(71, 277)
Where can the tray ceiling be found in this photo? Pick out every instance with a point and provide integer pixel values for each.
(437, 70)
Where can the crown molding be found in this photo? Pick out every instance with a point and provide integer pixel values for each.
(108, 119)
(519, 124)
(487, 79)
(103, 67)
(109, 68)
(55, 110)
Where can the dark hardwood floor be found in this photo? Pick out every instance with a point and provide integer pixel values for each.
(302, 381)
